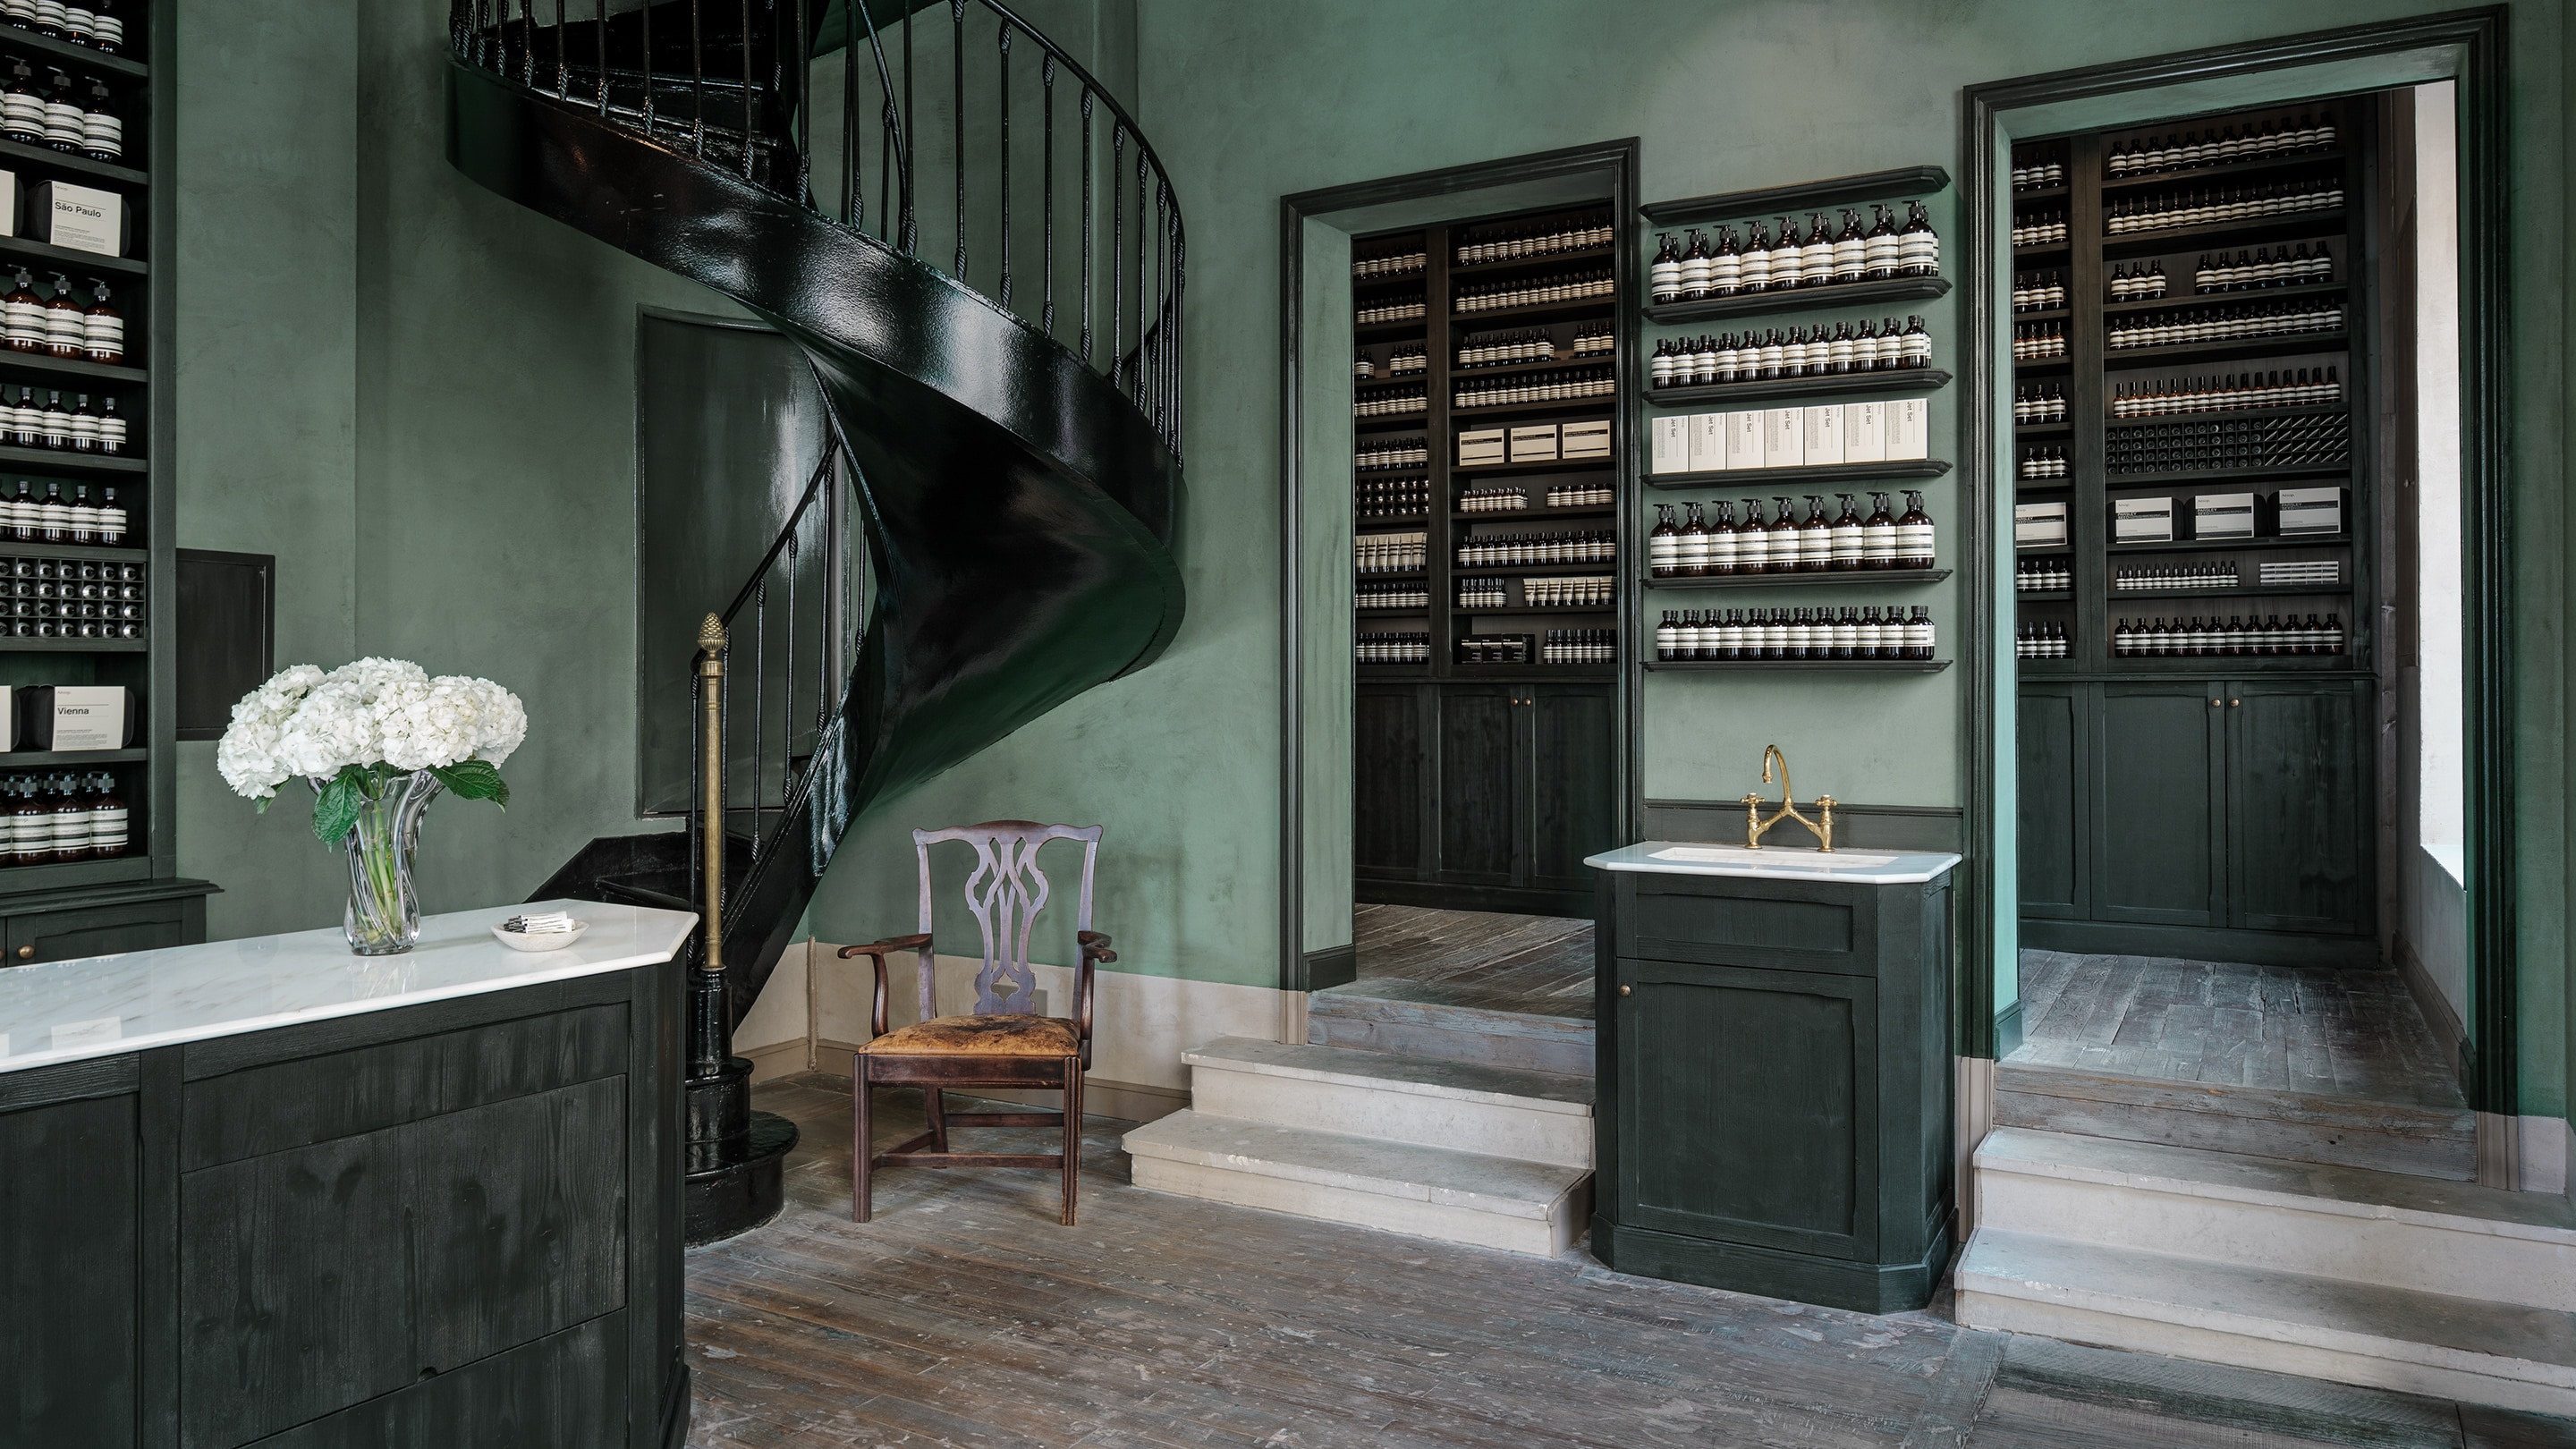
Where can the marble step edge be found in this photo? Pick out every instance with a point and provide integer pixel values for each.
(2397, 1325)
(1443, 1176)
(1393, 1072)
(1338, 1003)
(2357, 1192)
(2271, 1103)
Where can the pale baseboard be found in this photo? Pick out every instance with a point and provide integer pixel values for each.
(1975, 1084)
(2447, 1027)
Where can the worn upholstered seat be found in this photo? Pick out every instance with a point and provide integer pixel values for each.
(1002, 1043)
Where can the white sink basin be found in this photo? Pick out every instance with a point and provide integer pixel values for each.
(1773, 857)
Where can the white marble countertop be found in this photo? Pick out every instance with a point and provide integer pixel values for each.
(98, 1006)
(1775, 862)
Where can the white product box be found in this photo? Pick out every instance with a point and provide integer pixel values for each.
(2309, 510)
(1584, 440)
(1670, 450)
(1534, 443)
(1824, 434)
(1784, 438)
(1865, 432)
(1909, 429)
(1743, 439)
(79, 217)
(72, 716)
(2142, 520)
(8, 203)
(2222, 515)
(1705, 446)
(1480, 445)
(2039, 525)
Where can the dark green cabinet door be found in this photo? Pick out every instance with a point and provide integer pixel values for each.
(1391, 778)
(2300, 806)
(1479, 822)
(2049, 736)
(68, 1215)
(2158, 806)
(1570, 750)
(103, 930)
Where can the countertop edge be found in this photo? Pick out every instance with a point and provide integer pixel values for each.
(1622, 860)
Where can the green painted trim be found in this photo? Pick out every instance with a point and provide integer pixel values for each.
(2008, 1031)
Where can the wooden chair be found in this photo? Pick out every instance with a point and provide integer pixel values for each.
(1003, 1043)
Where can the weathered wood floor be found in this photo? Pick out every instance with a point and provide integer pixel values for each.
(1541, 965)
(2336, 1032)
(964, 1316)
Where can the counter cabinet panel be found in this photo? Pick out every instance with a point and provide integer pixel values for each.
(69, 1216)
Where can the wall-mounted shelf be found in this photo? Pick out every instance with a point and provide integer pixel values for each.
(39, 368)
(1831, 576)
(1910, 379)
(2224, 171)
(1561, 465)
(46, 460)
(2193, 299)
(1895, 184)
(14, 549)
(1824, 666)
(1532, 312)
(2119, 482)
(38, 759)
(1523, 264)
(2188, 545)
(1827, 473)
(2251, 232)
(15, 645)
(2117, 359)
(18, 38)
(1848, 294)
(76, 264)
(46, 158)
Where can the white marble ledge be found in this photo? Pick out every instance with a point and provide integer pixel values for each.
(98, 1006)
(1775, 862)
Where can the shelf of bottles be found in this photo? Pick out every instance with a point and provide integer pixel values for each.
(1484, 387)
(2184, 336)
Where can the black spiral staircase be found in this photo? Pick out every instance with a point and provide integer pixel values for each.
(1006, 426)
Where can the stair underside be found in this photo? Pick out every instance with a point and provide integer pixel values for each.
(2421, 1141)
(1406, 1018)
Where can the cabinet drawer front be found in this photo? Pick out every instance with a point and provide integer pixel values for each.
(1751, 923)
(97, 931)
(1748, 1106)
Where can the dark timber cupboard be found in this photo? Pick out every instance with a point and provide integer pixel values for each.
(2217, 806)
(1481, 786)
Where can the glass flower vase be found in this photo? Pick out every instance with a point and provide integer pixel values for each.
(383, 918)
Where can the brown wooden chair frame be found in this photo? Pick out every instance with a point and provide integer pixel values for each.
(1006, 859)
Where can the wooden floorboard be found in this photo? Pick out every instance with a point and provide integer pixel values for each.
(1538, 965)
(965, 1316)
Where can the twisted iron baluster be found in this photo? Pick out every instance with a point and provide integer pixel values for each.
(897, 138)
(1137, 378)
(1004, 84)
(787, 706)
(599, 29)
(957, 121)
(481, 55)
(759, 705)
(1180, 249)
(1117, 240)
(647, 19)
(1162, 296)
(804, 98)
(854, 194)
(745, 118)
(1087, 226)
(528, 43)
(697, 81)
(563, 68)
(1046, 190)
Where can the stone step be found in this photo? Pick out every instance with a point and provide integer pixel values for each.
(2329, 1328)
(1467, 1107)
(1407, 1018)
(1424, 1192)
(2385, 1228)
(2427, 1141)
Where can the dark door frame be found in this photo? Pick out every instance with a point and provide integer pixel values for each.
(1619, 160)
(2478, 38)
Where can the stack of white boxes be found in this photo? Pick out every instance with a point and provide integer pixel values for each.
(1821, 436)
(1535, 443)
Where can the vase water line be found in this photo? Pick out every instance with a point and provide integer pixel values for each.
(383, 917)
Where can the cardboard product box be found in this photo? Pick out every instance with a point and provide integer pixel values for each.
(1784, 437)
(74, 717)
(1534, 443)
(1480, 445)
(1824, 434)
(2222, 515)
(1584, 440)
(1706, 442)
(2308, 510)
(9, 203)
(1669, 452)
(2039, 525)
(2142, 520)
(79, 217)
(1909, 429)
(1865, 432)
(1743, 439)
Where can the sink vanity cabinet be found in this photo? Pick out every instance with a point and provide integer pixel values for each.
(1774, 1103)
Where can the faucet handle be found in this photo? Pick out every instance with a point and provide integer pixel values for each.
(1825, 826)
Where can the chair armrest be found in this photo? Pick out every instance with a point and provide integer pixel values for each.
(877, 951)
(1095, 949)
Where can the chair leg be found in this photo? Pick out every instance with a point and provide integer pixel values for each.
(934, 1103)
(1072, 1134)
(862, 1142)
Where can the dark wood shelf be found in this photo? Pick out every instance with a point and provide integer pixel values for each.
(2203, 545)
(37, 367)
(2222, 171)
(2202, 299)
(2043, 249)
(1534, 673)
(1534, 312)
(1830, 576)
(15, 549)
(65, 260)
(2050, 315)
(32, 759)
(2121, 482)
(1383, 520)
(15, 645)
(1597, 403)
(1478, 571)
(2118, 359)
(1416, 377)
(2338, 590)
(1391, 422)
(46, 460)
(2042, 193)
(1561, 465)
(1847, 294)
(1390, 331)
(2043, 596)
(18, 38)
(1910, 379)
(1378, 577)
(1894, 184)
(2042, 430)
(2305, 410)
(2257, 231)
(1506, 267)
(1498, 515)
(47, 158)
(1829, 666)
(1459, 375)
(2036, 366)
(1609, 608)
(1827, 473)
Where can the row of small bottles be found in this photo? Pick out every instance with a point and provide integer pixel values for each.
(1393, 453)
(1396, 402)
(1391, 553)
(2033, 340)
(2215, 206)
(2038, 169)
(1400, 309)
(2146, 638)
(2038, 291)
(1580, 646)
(60, 326)
(2224, 323)
(1390, 497)
(2038, 228)
(2189, 150)
(1394, 648)
(1534, 291)
(1701, 547)
(94, 24)
(2042, 576)
(1392, 596)
(2295, 387)
(1851, 632)
(73, 619)
(2144, 284)
(50, 819)
(2040, 641)
(2158, 578)
(1494, 649)
(1537, 239)
(26, 518)
(1507, 349)
(1523, 388)
(1581, 495)
(1597, 545)
(1579, 591)
(1404, 261)
(1405, 359)
(27, 423)
(2043, 463)
(2317, 441)
(70, 116)
(2263, 268)
(2039, 402)
(1800, 352)
(1826, 257)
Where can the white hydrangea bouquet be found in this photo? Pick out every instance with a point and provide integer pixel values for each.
(377, 739)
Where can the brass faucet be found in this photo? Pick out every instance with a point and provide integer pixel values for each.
(1755, 826)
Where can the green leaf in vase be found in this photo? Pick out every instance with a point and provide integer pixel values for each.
(335, 811)
(474, 780)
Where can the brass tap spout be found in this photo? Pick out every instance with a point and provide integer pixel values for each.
(1755, 827)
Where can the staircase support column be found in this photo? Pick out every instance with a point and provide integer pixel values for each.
(735, 1156)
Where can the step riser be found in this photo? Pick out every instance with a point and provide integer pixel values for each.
(1988, 1304)
(2451, 1156)
(2393, 1254)
(1568, 1053)
(1413, 1217)
(1562, 1139)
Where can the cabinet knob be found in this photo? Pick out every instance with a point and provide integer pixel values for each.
(2215, 703)
(1623, 991)
(2235, 703)
(27, 953)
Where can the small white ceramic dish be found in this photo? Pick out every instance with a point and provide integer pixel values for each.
(552, 941)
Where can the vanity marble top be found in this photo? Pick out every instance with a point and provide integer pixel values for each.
(96, 1006)
(1775, 862)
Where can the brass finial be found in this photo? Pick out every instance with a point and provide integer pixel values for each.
(711, 634)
